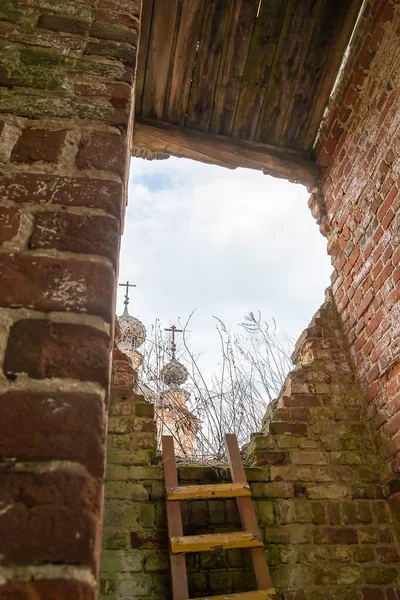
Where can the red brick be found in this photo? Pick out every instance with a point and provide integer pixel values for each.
(292, 428)
(127, 54)
(113, 31)
(336, 535)
(334, 516)
(119, 94)
(64, 23)
(301, 400)
(98, 235)
(388, 554)
(10, 218)
(68, 191)
(39, 145)
(103, 151)
(43, 349)
(119, 17)
(53, 426)
(149, 540)
(373, 594)
(56, 589)
(55, 284)
(271, 458)
(53, 517)
(383, 276)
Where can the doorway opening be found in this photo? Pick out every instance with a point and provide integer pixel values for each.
(235, 262)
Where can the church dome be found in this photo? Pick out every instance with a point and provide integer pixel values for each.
(174, 373)
(132, 333)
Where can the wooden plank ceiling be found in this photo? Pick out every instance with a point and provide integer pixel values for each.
(254, 70)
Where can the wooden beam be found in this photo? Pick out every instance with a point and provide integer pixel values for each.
(160, 137)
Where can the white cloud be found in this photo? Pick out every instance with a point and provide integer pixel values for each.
(224, 242)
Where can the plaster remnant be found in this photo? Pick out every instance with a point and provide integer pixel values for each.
(51, 169)
(71, 293)
(57, 208)
(94, 258)
(20, 241)
(37, 572)
(5, 510)
(9, 138)
(46, 467)
(70, 149)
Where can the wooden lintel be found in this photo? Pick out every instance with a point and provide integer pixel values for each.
(164, 138)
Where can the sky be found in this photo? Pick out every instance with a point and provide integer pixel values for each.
(222, 243)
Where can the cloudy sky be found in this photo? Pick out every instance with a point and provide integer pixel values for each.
(221, 242)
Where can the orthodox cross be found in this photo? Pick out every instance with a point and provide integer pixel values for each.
(173, 330)
(127, 285)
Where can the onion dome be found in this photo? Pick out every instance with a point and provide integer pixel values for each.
(174, 373)
(132, 332)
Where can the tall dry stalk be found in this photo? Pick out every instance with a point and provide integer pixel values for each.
(234, 397)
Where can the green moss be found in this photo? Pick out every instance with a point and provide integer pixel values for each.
(8, 12)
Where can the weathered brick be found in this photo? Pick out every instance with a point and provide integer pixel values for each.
(335, 535)
(373, 594)
(43, 349)
(63, 190)
(65, 23)
(380, 575)
(51, 517)
(10, 219)
(119, 94)
(56, 589)
(360, 189)
(144, 410)
(113, 31)
(125, 52)
(76, 233)
(53, 284)
(39, 145)
(53, 426)
(280, 427)
(103, 151)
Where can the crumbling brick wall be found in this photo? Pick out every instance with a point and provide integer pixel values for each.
(66, 85)
(358, 211)
(318, 483)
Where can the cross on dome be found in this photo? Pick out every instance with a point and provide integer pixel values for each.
(173, 330)
(127, 285)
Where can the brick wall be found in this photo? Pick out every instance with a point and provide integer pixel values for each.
(318, 484)
(66, 76)
(359, 213)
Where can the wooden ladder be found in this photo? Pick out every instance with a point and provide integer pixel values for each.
(250, 537)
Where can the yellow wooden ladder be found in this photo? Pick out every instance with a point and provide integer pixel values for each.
(180, 545)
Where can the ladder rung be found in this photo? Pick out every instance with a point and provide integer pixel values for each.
(214, 541)
(217, 490)
(256, 595)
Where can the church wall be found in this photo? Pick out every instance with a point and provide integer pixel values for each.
(66, 80)
(318, 483)
(359, 212)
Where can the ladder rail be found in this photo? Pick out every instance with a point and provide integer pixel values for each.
(180, 590)
(247, 514)
(249, 538)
